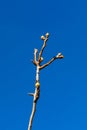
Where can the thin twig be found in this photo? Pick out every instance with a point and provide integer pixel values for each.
(59, 56)
(31, 94)
(43, 66)
(32, 115)
(35, 56)
(41, 51)
(36, 97)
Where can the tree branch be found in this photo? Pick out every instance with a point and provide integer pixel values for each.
(41, 51)
(32, 115)
(37, 62)
(44, 45)
(43, 66)
(58, 56)
(35, 56)
(36, 97)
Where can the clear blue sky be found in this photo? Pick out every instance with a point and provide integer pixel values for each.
(63, 100)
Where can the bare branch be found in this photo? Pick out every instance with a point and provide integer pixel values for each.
(58, 56)
(41, 51)
(37, 62)
(36, 97)
(35, 56)
(43, 66)
(32, 115)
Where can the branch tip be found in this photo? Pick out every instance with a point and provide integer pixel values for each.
(35, 50)
(59, 56)
(47, 35)
(42, 37)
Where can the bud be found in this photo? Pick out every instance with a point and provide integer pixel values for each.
(47, 35)
(41, 59)
(42, 37)
(37, 84)
(59, 55)
(35, 50)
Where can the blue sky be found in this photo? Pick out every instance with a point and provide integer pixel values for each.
(63, 99)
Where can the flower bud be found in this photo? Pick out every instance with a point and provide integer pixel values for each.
(37, 84)
(42, 37)
(59, 55)
(47, 35)
(41, 59)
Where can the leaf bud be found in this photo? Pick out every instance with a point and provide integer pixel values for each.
(37, 84)
(47, 35)
(59, 55)
(42, 37)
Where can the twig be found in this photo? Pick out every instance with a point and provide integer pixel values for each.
(36, 96)
(59, 56)
(32, 115)
(44, 45)
(35, 56)
(41, 51)
(37, 62)
(43, 66)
